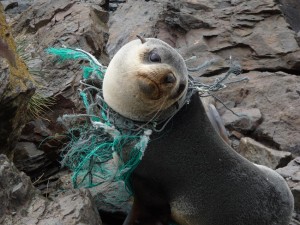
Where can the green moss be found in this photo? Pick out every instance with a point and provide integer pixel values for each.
(20, 73)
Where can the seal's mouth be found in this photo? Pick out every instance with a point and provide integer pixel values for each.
(155, 90)
(149, 87)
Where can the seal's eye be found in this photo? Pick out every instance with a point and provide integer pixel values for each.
(154, 57)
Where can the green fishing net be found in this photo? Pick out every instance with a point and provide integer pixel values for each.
(107, 147)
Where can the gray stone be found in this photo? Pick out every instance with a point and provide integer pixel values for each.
(245, 120)
(292, 171)
(292, 175)
(16, 90)
(277, 97)
(25, 150)
(291, 9)
(262, 155)
(9, 4)
(254, 32)
(22, 204)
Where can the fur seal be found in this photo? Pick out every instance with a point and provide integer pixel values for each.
(188, 175)
(144, 80)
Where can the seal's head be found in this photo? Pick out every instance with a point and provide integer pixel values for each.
(146, 80)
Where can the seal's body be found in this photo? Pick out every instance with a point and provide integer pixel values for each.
(191, 175)
(188, 174)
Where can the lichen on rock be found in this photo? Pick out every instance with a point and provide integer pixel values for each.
(16, 89)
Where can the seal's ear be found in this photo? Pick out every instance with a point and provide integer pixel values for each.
(143, 40)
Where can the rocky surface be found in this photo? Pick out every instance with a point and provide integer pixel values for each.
(262, 155)
(56, 23)
(16, 89)
(22, 204)
(243, 119)
(290, 10)
(254, 32)
(263, 35)
(276, 96)
(292, 175)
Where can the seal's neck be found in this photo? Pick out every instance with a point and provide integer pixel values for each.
(191, 117)
(190, 133)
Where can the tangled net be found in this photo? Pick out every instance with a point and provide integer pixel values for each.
(107, 147)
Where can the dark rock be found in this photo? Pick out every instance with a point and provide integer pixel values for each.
(26, 150)
(73, 207)
(292, 171)
(247, 119)
(292, 175)
(14, 8)
(16, 90)
(254, 32)
(56, 23)
(276, 96)
(239, 29)
(75, 24)
(16, 189)
(291, 9)
(138, 16)
(37, 164)
(9, 4)
(22, 204)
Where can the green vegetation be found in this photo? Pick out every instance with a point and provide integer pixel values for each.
(38, 105)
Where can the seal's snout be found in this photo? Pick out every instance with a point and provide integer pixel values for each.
(149, 88)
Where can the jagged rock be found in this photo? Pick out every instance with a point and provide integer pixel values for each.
(277, 97)
(254, 32)
(37, 164)
(291, 9)
(16, 89)
(291, 172)
(14, 7)
(25, 150)
(57, 23)
(247, 119)
(262, 155)
(9, 4)
(53, 23)
(49, 137)
(16, 189)
(130, 19)
(21, 203)
(73, 23)
(74, 207)
(292, 175)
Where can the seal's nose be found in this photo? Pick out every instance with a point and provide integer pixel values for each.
(149, 88)
(169, 79)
